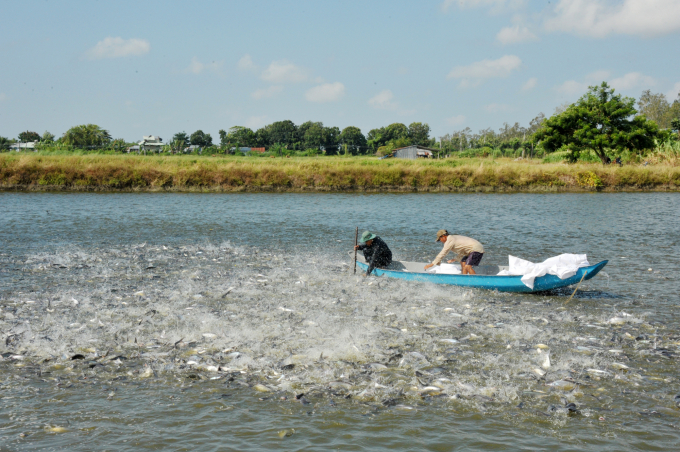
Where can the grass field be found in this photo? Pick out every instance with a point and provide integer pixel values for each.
(228, 173)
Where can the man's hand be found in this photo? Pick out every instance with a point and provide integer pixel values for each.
(428, 266)
(356, 247)
(451, 261)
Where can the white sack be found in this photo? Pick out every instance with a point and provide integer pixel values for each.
(447, 269)
(563, 266)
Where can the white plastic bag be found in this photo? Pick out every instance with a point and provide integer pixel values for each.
(563, 266)
(446, 269)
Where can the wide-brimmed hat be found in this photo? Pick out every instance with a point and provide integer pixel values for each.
(441, 233)
(366, 236)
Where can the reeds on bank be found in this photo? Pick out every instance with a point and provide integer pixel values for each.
(192, 173)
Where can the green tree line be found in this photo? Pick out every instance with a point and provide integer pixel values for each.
(601, 121)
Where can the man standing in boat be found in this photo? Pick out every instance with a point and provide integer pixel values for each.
(376, 252)
(468, 251)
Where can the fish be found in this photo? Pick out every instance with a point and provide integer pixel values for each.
(430, 390)
(376, 366)
(546, 362)
(404, 408)
(339, 385)
(563, 385)
(285, 433)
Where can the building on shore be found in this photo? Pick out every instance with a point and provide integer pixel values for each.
(414, 152)
(151, 143)
(28, 146)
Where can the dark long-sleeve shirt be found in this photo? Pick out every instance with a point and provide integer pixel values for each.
(377, 255)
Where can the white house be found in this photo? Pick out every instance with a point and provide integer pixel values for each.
(151, 143)
(28, 146)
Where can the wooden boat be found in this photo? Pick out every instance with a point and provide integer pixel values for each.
(486, 278)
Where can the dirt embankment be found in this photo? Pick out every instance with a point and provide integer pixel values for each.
(321, 174)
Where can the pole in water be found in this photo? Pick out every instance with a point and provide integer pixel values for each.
(577, 286)
(356, 242)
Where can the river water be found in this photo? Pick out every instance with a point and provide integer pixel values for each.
(196, 321)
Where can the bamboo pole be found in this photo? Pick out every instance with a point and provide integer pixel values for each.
(577, 286)
(356, 242)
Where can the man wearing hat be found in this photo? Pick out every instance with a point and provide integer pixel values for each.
(376, 252)
(468, 251)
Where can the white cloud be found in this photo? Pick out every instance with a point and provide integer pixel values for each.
(496, 5)
(327, 92)
(383, 101)
(284, 72)
(512, 35)
(571, 87)
(118, 47)
(255, 122)
(600, 18)
(597, 77)
(626, 82)
(455, 120)
(496, 108)
(475, 73)
(246, 63)
(530, 84)
(196, 67)
(632, 80)
(267, 92)
(672, 95)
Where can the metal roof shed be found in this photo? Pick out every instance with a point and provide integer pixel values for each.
(413, 152)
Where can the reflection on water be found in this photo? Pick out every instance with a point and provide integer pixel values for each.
(233, 322)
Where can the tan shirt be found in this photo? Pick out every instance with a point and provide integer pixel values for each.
(460, 245)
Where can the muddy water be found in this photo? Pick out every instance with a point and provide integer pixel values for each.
(233, 322)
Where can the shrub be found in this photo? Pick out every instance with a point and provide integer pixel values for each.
(589, 179)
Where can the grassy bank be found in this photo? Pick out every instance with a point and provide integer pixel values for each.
(226, 174)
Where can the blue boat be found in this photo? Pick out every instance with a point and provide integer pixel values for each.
(486, 278)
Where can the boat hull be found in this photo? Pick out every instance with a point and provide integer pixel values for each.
(492, 282)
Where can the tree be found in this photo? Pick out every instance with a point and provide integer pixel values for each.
(240, 136)
(262, 137)
(331, 139)
(376, 138)
(118, 144)
(283, 132)
(47, 137)
(313, 137)
(181, 136)
(419, 133)
(675, 125)
(656, 108)
(600, 120)
(353, 138)
(201, 139)
(536, 123)
(25, 137)
(395, 131)
(87, 135)
(5, 144)
(223, 138)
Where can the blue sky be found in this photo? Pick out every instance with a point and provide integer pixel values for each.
(160, 67)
